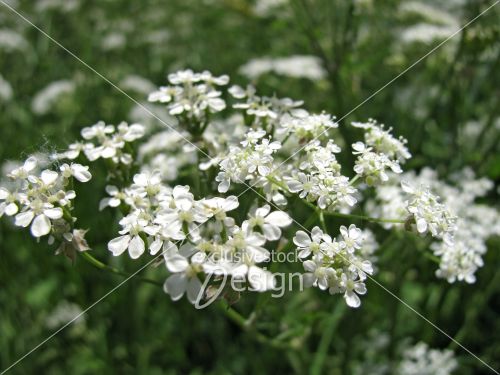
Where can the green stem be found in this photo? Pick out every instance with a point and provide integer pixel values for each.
(326, 339)
(322, 220)
(102, 266)
(245, 325)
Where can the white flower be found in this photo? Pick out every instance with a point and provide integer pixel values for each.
(8, 206)
(184, 277)
(115, 199)
(130, 239)
(352, 237)
(39, 215)
(23, 172)
(80, 172)
(352, 289)
(269, 222)
(317, 274)
(422, 360)
(428, 214)
(308, 245)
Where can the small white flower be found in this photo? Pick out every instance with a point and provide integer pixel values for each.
(269, 222)
(184, 267)
(80, 172)
(308, 245)
(23, 172)
(352, 237)
(39, 215)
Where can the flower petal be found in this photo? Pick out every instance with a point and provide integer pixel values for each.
(119, 244)
(175, 285)
(136, 247)
(40, 226)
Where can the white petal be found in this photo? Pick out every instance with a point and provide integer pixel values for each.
(352, 299)
(40, 226)
(48, 177)
(258, 278)
(119, 244)
(81, 173)
(176, 263)
(155, 246)
(193, 290)
(141, 179)
(360, 288)
(54, 213)
(23, 219)
(11, 209)
(4, 193)
(136, 247)
(263, 211)
(421, 225)
(175, 285)
(279, 218)
(271, 232)
(30, 164)
(309, 265)
(301, 239)
(223, 186)
(230, 203)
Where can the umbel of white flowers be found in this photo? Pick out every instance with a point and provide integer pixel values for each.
(266, 144)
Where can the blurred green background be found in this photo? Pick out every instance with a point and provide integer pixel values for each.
(447, 106)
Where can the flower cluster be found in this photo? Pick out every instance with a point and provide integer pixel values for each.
(381, 151)
(308, 127)
(460, 254)
(335, 264)
(428, 214)
(250, 162)
(422, 360)
(318, 178)
(287, 155)
(212, 244)
(192, 96)
(42, 200)
(262, 111)
(106, 142)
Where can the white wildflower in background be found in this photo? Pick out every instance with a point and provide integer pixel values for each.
(461, 257)
(422, 360)
(298, 66)
(5, 90)
(137, 83)
(64, 313)
(265, 7)
(65, 6)
(45, 99)
(192, 95)
(11, 41)
(42, 201)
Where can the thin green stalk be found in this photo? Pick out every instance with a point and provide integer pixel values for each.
(245, 325)
(102, 266)
(326, 338)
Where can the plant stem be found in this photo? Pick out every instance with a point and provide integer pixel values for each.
(102, 266)
(326, 338)
(245, 325)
